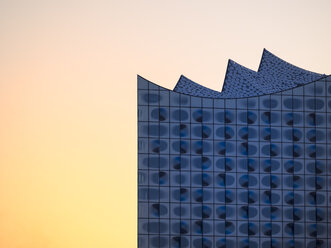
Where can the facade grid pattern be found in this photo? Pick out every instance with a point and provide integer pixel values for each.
(237, 172)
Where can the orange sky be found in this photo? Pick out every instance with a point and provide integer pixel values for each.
(68, 98)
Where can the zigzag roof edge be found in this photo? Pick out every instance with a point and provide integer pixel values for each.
(274, 74)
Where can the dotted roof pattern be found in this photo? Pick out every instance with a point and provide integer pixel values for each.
(274, 75)
(240, 81)
(187, 86)
(279, 75)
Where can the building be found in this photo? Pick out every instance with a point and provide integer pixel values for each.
(245, 167)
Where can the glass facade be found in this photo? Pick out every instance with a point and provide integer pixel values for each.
(234, 172)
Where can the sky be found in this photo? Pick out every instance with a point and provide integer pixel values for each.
(68, 105)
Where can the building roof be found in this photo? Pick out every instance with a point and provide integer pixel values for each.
(274, 75)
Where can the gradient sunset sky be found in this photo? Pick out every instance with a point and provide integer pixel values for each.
(68, 72)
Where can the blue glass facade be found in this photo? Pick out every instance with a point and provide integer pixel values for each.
(235, 172)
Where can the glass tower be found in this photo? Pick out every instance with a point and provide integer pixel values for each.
(245, 167)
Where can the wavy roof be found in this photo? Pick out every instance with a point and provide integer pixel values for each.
(274, 75)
